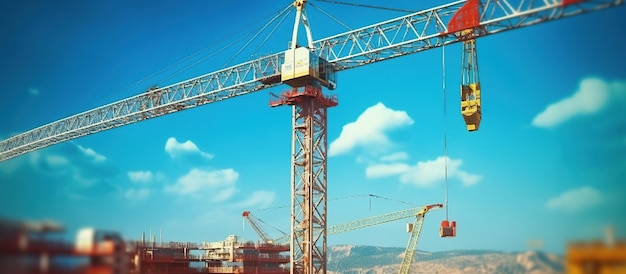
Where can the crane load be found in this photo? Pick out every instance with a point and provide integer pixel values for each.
(447, 229)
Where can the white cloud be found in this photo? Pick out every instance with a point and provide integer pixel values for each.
(398, 156)
(369, 129)
(429, 172)
(175, 149)
(224, 194)
(593, 95)
(576, 200)
(33, 91)
(137, 194)
(258, 199)
(92, 153)
(215, 183)
(385, 170)
(140, 176)
(55, 160)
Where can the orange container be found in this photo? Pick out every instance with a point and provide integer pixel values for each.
(445, 223)
(447, 229)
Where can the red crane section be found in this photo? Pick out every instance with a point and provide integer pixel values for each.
(467, 17)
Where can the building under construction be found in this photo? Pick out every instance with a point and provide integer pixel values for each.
(36, 247)
(228, 256)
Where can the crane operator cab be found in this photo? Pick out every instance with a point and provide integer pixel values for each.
(304, 67)
(448, 229)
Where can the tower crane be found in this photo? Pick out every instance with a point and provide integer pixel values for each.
(408, 34)
(344, 227)
(254, 223)
(307, 70)
(414, 229)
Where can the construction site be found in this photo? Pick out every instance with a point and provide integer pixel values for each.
(308, 70)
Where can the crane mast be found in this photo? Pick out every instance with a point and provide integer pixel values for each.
(393, 38)
(307, 73)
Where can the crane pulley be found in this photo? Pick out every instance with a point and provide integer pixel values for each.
(465, 24)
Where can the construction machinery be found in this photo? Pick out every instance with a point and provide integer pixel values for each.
(415, 229)
(307, 70)
(344, 227)
(254, 223)
(408, 34)
(465, 24)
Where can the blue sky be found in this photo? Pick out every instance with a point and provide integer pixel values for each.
(547, 163)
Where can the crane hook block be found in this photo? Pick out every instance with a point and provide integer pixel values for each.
(470, 105)
(448, 229)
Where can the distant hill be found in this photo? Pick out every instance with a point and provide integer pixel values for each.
(348, 259)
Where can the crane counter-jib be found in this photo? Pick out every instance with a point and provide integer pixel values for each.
(400, 36)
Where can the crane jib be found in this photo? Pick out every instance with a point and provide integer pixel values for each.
(393, 38)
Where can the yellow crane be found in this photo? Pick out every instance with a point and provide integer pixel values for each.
(415, 229)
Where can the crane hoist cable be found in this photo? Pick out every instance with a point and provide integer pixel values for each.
(267, 37)
(345, 198)
(447, 229)
(285, 10)
(241, 34)
(237, 38)
(445, 131)
(366, 6)
(330, 16)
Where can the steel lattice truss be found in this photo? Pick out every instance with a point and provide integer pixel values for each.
(371, 221)
(308, 180)
(428, 29)
(375, 220)
(411, 246)
(393, 38)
